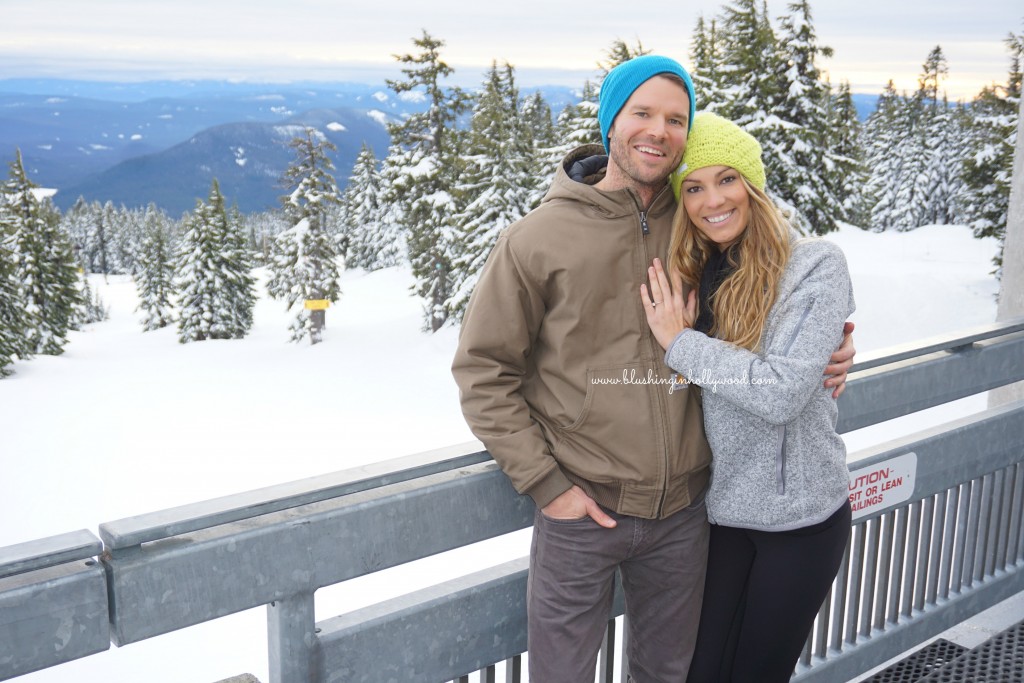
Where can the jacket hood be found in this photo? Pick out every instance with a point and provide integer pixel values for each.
(614, 204)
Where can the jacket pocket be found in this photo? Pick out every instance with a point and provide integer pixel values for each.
(614, 437)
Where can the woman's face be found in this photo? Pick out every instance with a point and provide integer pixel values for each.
(717, 202)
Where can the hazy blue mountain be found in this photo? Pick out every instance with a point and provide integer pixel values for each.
(248, 160)
(66, 138)
(162, 141)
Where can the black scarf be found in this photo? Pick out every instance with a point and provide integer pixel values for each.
(716, 269)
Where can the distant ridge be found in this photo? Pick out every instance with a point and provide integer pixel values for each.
(141, 142)
(248, 160)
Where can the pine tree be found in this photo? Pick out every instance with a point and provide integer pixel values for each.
(911, 202)
(12, 307)
(497, 184)
(795, 152)
(889, 134)
(373, 241)
(618, 53)
(943, 140)
(706, 57)
(845, 157)
(304, 260)
(750, 65)
(936, 185)
(536, 118)
(96, 247)
(576, 125)
(241, 283)
(929, 82)
(44, 264)
(93, 310)
(215, 287)
(991, 137)
(77, 223)
(155, 279)
(421, 172)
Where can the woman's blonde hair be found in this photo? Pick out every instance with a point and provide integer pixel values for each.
(759, 256)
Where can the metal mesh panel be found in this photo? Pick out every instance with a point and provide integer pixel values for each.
(998, 660)
(920, 664)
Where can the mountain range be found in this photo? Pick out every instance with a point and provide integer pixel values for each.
(164, 141)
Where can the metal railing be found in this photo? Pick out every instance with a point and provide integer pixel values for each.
(948, 548)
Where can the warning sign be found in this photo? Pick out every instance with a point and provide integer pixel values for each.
(882, 485)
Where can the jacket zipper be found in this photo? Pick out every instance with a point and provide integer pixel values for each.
(645, 231)
(780, 455)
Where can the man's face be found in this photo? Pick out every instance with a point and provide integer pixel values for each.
(648, 136)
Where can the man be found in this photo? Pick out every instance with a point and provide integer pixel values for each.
(561, 379)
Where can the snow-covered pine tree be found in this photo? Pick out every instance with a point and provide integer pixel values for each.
(45, 264)
(242, 283)
(706, 58)
(303, 264)
(536, 117)
(795, 152)
(421, 172)
(99, 251)
(847, 173)
(77, 223)
(155, 277)
(373, 240)
(215, 287)
(910, 206)
(943, 137)
(497, 183)
(884, 131)
(988, 167)
(752, 72)
(617, 53)
(262, 227)
(12, 306)
(935, 186)
(575, 125)
(93, 310)
(749, 68)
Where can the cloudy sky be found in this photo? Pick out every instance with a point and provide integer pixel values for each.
(547, 42)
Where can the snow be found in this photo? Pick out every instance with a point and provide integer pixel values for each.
(126, 422)
(41, 193)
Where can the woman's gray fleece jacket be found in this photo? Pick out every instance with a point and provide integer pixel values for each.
(777, 461)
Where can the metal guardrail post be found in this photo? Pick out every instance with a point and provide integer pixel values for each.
(293, 643)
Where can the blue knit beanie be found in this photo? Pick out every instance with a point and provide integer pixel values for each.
(623, 80)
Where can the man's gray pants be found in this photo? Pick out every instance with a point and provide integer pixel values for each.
(569, 594)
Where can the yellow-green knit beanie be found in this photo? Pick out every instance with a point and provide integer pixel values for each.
(714, 141)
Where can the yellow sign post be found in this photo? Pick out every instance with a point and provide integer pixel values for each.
(317, 317)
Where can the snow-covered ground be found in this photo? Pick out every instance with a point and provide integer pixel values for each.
(127, 422)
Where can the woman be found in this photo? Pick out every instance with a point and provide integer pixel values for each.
(764, 312)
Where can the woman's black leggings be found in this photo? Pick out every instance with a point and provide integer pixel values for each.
(762, 592)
